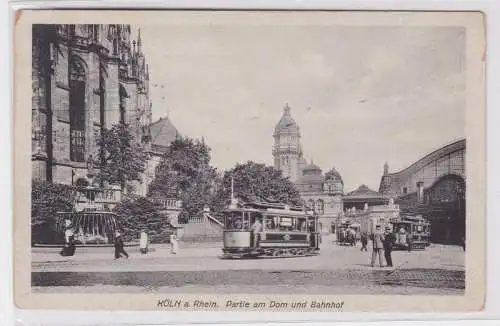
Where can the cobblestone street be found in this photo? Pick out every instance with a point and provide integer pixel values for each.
(198, 268)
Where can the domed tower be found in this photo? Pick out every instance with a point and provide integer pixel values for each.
(287, 151)
(334, 185)
(334, 188)
(312, 178)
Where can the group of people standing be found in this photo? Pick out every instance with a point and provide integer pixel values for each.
(381, 241)
(70, 246)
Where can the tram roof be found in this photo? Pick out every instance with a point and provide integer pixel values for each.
(269, 211)
(87, 213)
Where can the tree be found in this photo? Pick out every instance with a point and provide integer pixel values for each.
(184, 173)
(139, 214)
(121, 158)
(47, 199)
(256, 181)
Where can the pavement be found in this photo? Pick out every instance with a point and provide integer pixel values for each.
(198, 268)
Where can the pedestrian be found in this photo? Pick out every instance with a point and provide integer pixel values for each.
(69, 241)
(402, 236)
(174, 245)
(377, 238)
(256, 228)
(389, 240)
(409, 240)
(364, 241)
(119, 250)
(143, 242)
(462, 242)
(352, 237)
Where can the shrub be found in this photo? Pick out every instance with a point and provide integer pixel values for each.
(46, 200)
(136, 215)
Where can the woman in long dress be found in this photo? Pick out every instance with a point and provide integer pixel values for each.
(174, 245)
(143, 243)
(69, 243)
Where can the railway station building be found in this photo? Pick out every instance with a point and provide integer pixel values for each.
(434, 187)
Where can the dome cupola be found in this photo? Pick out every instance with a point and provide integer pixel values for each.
(286, 125)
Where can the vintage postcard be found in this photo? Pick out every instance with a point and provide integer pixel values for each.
(250, 161)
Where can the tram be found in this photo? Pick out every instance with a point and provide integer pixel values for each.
(348, 233)
(255, 230)
(411, 232)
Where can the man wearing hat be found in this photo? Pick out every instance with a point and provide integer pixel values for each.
(119, 246)
(377, 239)
(389, 240)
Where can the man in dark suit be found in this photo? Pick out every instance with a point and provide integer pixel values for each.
(377, 239)
(119, 250)
(389, 240)
(364, 241)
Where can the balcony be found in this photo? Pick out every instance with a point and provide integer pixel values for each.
(96, 199)
(167, 203)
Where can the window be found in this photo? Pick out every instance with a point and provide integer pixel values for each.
(320, 205)
(115, 47)
(405, 190)
(270, 223)
(77, 84)
(234, 221)
(123, 104)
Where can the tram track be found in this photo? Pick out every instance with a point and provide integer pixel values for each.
(266, 280)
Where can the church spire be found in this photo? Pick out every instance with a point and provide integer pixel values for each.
(139, 41)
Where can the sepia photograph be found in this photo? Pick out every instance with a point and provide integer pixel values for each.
(306, 154)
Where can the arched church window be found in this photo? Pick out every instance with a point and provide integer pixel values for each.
(123, 105)
(77, 84)
(115, 46)
(320, 205)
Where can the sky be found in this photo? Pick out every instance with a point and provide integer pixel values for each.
(362, 96)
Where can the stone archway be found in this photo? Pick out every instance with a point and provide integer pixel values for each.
(446, 201)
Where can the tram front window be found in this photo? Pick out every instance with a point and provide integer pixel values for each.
(237, 221)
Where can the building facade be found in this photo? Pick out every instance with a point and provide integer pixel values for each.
(162, 133)
(433, 187)
(368, 208)
(321, 192)
(362, 198)
(84, 78)
(287, 150)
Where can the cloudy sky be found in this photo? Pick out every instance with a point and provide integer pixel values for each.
(361, 95)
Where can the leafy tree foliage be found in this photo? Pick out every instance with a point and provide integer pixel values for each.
(138, 214)
(46, 200)
(121, 158)
(184, 172)
(256, 181)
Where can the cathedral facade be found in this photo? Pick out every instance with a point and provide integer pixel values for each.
(84, 78)
(321, 192)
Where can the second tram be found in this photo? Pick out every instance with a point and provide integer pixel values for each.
(411, 233)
